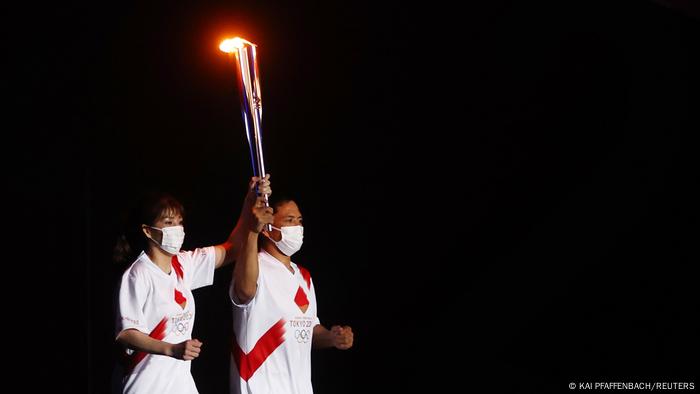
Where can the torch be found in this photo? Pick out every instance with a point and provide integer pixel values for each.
(251, 103)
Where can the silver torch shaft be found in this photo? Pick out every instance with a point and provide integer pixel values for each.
(248, 78)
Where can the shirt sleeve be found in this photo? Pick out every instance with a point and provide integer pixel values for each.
(233, 297)
(312, 292)
(199, 266)
(133, 293)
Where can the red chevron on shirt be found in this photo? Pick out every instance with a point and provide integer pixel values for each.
(177, 267)
(157, 333)
(268, 342)
(306, 275)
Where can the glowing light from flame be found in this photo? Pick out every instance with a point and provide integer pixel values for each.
(233, 44)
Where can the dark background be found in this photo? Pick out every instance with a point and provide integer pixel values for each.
(497, 197)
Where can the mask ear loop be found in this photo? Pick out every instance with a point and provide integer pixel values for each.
(266, 234)
(148, 236)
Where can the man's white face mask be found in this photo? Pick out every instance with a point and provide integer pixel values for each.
(292, 239)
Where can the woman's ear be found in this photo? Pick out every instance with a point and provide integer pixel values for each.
(146, 231)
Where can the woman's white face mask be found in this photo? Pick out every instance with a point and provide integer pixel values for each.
(172, 239)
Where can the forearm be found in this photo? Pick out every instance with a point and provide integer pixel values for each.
(233, 244)
(245, 273)
(135, 339)
(322, 338)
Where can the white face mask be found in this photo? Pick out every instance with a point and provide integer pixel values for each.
(172, 239)
(292, 239)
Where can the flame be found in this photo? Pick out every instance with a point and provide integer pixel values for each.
(232, 44)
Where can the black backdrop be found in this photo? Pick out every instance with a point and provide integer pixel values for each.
(498, 196)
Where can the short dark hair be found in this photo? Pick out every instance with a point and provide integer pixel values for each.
(157, 205)
(151, 207)
(277, 201)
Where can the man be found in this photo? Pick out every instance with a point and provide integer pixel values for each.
(274, 310)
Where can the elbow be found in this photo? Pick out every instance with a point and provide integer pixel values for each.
(124, 338)
(245, 293)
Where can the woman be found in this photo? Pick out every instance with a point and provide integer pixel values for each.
(156, 310)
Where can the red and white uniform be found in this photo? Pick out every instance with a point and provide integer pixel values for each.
(271, 352)
(161, 305)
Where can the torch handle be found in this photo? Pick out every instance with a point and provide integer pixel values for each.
(251, 108)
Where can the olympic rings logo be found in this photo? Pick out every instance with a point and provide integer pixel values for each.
(181, 328)
(302, 336)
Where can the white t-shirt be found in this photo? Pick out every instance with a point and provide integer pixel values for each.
(272, 348)
(161, 305)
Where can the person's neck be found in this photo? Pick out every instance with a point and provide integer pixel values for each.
(272, 250)
(160, 258)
